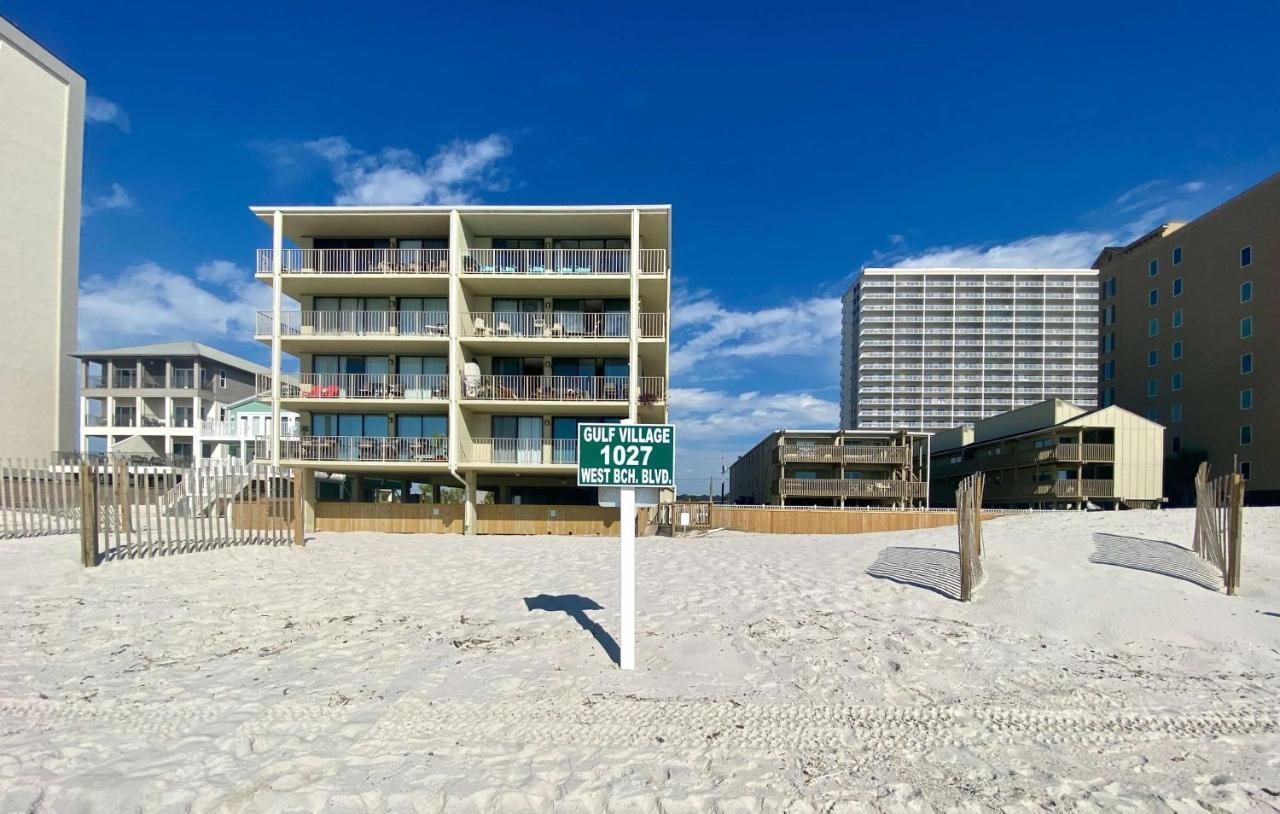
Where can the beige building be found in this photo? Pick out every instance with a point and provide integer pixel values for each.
(461, 346)
(41, 138)
(1054, 454)
(833, 468)
(1189, 336)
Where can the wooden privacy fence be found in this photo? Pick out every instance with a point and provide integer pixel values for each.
(134, 510)
(1219, 523)
(969, 529)
(38, 498)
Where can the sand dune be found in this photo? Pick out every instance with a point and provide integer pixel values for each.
(396, 673)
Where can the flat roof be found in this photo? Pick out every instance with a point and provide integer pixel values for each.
(945, 270)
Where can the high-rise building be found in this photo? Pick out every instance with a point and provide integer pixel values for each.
(41, 139)
(931, 349)
(461, 346)
(1190, 334)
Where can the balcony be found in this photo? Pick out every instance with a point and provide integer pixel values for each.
(851, 487)
(522, 451)
(1102, 453)
(355, 261)
(1084, 488)
(849, 453)
(347, 324)
(563, 388)
(360, 386)
(358, 449)
(562, 262)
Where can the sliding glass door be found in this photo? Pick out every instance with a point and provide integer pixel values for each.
(517, 439)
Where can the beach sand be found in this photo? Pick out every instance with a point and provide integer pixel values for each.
(430, 673)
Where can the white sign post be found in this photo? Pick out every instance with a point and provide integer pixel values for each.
(621, 459)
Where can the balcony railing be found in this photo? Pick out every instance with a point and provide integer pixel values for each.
(851, 453)
(184, 378)
(563, 388)
(420, 324)
(340, 448)
(1086, 452)
(561, 324)
(356, 261)
(851, 487)
(95, 421)
(522, 451)
(374, 386)
(1083, 488)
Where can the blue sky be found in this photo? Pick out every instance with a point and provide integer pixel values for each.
(796, 142)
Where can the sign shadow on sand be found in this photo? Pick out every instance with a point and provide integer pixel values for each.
(933, 569)
(1156, 557)
(576, 607)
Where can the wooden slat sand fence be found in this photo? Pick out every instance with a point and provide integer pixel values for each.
(969, 529)
(1220, 523)
(818, 520)
(139, 510)
(38, 498)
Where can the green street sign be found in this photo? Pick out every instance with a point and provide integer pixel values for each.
(626, 455)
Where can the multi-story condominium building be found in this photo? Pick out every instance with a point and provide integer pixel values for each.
(41, 136)
(1190, 338)
(930, 349)
(460, 346)
(834, 468)
(1054, 454)
(171, 402)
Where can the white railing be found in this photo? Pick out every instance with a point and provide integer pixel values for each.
(547, 388)
(653, 261)
(357, 323)
(406, 386)
(356, 261)
(224, 428)
(653, 326)
(851, 487)
(556, 324)
(357, 448)
(547, 261)
(522, 451)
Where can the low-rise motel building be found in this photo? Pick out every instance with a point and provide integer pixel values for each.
(1054, 455)
(459, 347)
(884, 468)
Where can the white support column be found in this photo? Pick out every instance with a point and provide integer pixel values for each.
(469, 504)
(627, 574)
(633, 366)
(455, 318)
(277, 249)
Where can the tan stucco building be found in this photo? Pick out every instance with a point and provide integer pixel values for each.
(1054, 454)
(1189, 336)
(41, 139)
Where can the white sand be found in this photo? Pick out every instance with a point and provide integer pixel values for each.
(406, 674)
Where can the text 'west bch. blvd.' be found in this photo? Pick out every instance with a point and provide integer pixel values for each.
(626, 455)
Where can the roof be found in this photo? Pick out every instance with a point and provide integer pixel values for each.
(1063, 423)
(169, 349)
(262, 211)
(988, 270)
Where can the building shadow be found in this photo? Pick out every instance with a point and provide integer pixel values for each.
(1156, 557)
(576, 607)
(930, 568)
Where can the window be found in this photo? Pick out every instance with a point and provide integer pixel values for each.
(1176, 351)
(222, 379)
(1246, 291)
(1153, 388)
(1108, 396)
(1246, 398)
(1246, 435)
(1246, 327)
(1246, 469)
(1175, 444)
(1177, 287)
(1153, 267)
(1153, 297)
(1175, 413)
(1153, 357)
(1175, 381)
(1109, 315)
(1153, 414)
(1108, 343)
(1246, 363)
(1177, 318)
(1153, 327)
(1109, 369)
(1177, 255)
(1246, 256)
(1109, 288)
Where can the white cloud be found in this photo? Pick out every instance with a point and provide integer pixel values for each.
(118, 198)
(706, 332)
(149, 303)
(103, 111)
(222, 272)
(454, 174)
(1060, 250)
